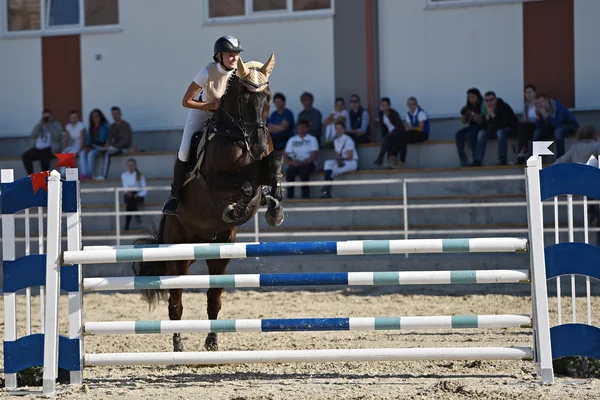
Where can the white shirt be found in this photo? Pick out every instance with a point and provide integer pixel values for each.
(299, 149)
(388, 123)
(343, 144)
(531, 114)
(75, 133)
(129, 179)
(421, 116)
(344, 113)
(201, 78)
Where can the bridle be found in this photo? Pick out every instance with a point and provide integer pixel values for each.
(239, 127)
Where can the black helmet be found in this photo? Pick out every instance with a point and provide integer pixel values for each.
(227, 43)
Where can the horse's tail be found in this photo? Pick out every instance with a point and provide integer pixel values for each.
(152, 268)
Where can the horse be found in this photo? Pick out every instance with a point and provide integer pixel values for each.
(239, 172)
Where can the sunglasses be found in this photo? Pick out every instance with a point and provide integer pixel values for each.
(489, 100)
(354, 101)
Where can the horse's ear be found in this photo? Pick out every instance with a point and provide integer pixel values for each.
(243, 71)
(269, 65)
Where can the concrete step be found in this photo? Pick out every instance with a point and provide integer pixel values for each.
(159, 164)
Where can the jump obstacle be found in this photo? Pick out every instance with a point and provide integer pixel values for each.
(56, 270)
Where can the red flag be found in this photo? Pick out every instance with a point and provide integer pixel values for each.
(65, 160)
(38, 181)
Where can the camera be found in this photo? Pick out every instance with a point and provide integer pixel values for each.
(464, 111)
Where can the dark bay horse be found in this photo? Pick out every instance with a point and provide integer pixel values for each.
(238, 162)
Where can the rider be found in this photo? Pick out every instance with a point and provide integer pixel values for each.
(212, 80)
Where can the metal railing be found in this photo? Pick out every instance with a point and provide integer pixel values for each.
(404, 206)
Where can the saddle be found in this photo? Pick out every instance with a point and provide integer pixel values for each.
(197, 149)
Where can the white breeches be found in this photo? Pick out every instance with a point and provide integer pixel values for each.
(330, 133)
(196, 119)
(337, 170)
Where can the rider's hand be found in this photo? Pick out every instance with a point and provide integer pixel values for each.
(212, 106)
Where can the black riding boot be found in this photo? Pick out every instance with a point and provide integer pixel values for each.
(170, 207)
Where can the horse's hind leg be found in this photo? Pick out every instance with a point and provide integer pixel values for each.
(175, 302)
(215, 267)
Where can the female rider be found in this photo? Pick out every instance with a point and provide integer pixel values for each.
(212, 81)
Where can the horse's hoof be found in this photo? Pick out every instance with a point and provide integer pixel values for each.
(211, 342)
(227, 214)
(177, 345)
(274, 217)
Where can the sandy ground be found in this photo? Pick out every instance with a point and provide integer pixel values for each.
(382, 380)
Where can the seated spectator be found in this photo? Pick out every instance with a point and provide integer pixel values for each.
(416, 125)
(48, 136)
(470, 114)
(498, 121)
(133, 178)
(94, 143)
(357, 124)
(339, 114)
(585, 147)
(120, 140)
(301, 152)
(391, 128)
(553, 119)
(346, 158)
(527, 124)
(280, 123)
(74, 135)
(311, 114)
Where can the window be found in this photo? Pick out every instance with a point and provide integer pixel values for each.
(268, 5)
(56, 17)
(101, 12)
(225, 8)
(467, 3)
(252, 10)
(23, 15)
(305, 5)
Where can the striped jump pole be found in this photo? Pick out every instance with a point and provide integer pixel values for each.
(307, 356)
(309, 324)
(307, 279)
(341, 248)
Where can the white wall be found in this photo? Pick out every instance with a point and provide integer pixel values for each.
(20, 85)
(587, 54)
(146, 68)
(436, 55)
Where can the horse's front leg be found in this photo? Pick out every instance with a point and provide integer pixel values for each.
(213, 306)
(274, 215)
(175, 313)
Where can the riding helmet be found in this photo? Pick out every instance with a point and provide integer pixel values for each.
(227, 44)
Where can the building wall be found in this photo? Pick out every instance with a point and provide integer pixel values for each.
(436, 55)
(146, 68)
(587, 54)
(20, 84)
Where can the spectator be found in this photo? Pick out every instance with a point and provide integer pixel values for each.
(585, 147)
(75, 135)
(553, 118)
(498, 121)
(120, 138)
(301, 152)
(391, 128)
(527, 124)
(339, 114)
(346, 158)
(311, 114)
(94, 143)
(416, 125)
(133, 178)
(280, 123)
(357, 124)
(48, 134)
(470, 115)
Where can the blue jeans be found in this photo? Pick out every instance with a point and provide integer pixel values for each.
(86, 161)
(502, 137)
(466, 134)
(559, 136)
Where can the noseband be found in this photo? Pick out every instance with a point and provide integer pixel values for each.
(240, 127)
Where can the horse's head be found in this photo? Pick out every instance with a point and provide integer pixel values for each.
(247, 104)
